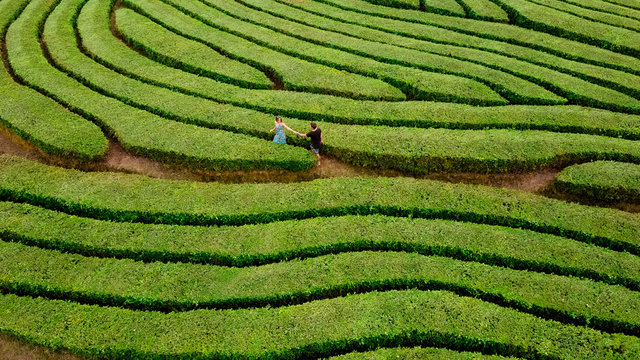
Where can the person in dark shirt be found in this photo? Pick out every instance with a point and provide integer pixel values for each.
(316, 138)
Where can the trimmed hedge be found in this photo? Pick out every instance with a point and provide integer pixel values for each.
(416, 83)
(534, 65)
(319, 328)
(267, 243)
(181, 287)
(417, 353)
(197, 58)
(484, 10)
(405, 4)
(99, 42)
(544, 19)
(496, 31)
(169, 141)
(236, 16)
(492, 53)
(604, 181)
(39, 120)
(588, 14)
(607, 7)
(295, 74)
(123, 197)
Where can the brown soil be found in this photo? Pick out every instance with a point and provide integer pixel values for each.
(13, 349)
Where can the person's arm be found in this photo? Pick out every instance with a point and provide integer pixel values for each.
(290, 129)
(272, 129)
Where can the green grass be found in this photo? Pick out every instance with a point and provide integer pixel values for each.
(170, 141)
(121, 197)
(392, 318)
(267, 243)
(604, 181)
(484, 10)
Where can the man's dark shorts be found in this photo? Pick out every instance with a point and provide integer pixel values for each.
(317, 151)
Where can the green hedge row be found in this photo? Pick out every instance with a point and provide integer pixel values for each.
(260, 26)
(39, 120)
(544, 19)
(589, 14)
(430, 150)
(604, 181)
(236, 18)
(464, 46)
(502, 32)
(608, 7)
(181, 287)
(123, 197)
(103, 46)
(484, 10)
(576, 81)
(168, 141)
(315, 329)
(267, 243)
(416, 83)
(627, 3)
(417, 353)
(404, 4)
(295, 74)
(198, 59)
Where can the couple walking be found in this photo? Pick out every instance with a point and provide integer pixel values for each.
(315, 135)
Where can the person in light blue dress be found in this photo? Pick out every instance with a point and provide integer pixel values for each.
(279, 127)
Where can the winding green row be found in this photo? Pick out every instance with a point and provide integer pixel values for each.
(464, 46)
(319, 328)
(607, 7)
(417, 353)
(413, 150)
(267, 243)
(606, 181)
(296, 74)
(123, 197)
(101, 44)
(38, 119)
(484, 10)
(598, 16)
(576, 81)
(284, 35)
(545, 19)
(416, 83)
(181, 287)
(495, 31)
(168, 141)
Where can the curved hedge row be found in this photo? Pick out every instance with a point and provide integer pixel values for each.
(534, 65)
(417, 353)
(182, 287)
(121, 197)
(365, 322)
(566, 48)
(605, 181)
(169, 141)
(99, 42)
(39, 120)
(416, 83)
(544, 19)
(296, 39)
(260, 244)
(588, 14)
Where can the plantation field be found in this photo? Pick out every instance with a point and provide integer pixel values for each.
(359, 254)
